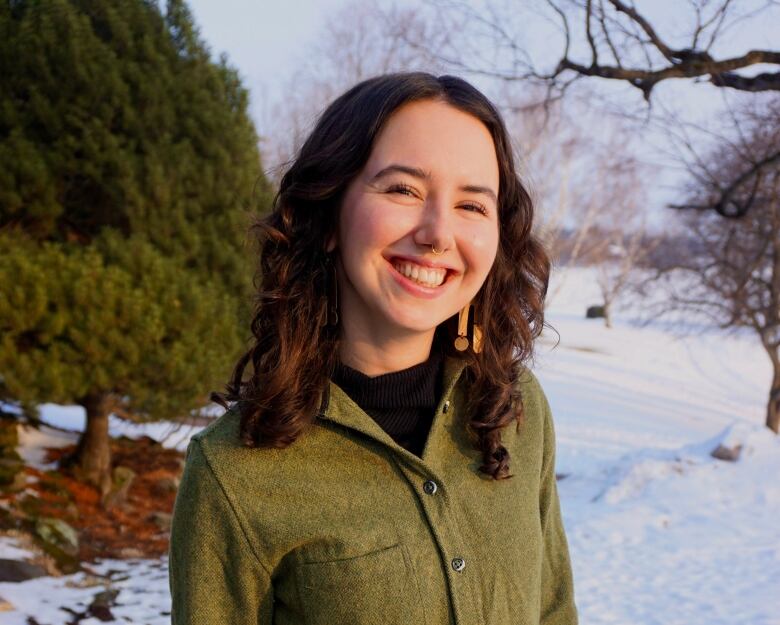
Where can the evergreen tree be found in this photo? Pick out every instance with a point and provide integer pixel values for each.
(128, 173)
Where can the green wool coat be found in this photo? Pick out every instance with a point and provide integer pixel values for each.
(345, 527)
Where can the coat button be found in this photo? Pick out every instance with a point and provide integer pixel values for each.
(446, 406)
(458, 564)
(430, 487)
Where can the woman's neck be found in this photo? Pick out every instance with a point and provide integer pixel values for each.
(372, 358)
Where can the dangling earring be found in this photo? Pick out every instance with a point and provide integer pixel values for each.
(476, 339)
(331, 300)
(462, 340)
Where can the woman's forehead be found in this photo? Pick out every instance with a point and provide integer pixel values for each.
(439, 139)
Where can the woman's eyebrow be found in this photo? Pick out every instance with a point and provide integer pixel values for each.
(416, 172)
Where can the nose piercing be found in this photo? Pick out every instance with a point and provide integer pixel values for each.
(435, 251)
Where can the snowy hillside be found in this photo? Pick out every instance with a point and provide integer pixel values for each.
(660, 532)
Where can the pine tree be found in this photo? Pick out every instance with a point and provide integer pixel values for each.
(129, 170)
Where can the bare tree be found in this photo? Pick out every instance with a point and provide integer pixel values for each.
(550, 147)
(732, 194)
(733, 274)
(609, 39)
(616, 244)
(590, 192)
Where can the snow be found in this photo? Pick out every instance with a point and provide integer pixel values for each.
(143, 594)
(68, 421)
(660, 532)
(10, 549)
(33, 443)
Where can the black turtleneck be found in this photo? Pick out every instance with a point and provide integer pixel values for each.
(401, 402)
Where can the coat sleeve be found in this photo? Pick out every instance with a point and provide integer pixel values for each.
(215, 577)
(557, 594)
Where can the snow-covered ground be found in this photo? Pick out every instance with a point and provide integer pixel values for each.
(660, 532)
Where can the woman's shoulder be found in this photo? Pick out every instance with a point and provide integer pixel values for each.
(222, 430)
(535, 426)
(219, 447)
(533, 396)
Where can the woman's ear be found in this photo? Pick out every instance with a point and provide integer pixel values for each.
(331, 245)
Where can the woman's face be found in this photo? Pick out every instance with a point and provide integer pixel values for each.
(431, 180)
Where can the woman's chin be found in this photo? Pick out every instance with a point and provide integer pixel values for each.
(417, 325)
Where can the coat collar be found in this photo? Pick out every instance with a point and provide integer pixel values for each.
(339, 408)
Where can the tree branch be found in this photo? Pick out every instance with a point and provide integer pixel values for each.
(645, 26)
(721, 206)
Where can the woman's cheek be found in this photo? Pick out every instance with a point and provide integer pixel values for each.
(482, 246)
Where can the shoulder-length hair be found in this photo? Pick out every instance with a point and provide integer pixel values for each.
(294, 351)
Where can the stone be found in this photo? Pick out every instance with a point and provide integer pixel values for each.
(9, 434)
(101, 605)
(19, 571)
(57, 536)
(10, 466)
(161, 520)
(19, 483)
(131, 553)
(729, 454)
(595, 312)
(166, 485)
(122, 480)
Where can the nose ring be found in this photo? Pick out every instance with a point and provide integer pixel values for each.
(435, 251)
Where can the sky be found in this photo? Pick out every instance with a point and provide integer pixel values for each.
(264, 40)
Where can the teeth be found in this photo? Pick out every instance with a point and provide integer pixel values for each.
(423, 275)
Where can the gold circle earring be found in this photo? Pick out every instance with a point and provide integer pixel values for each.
(435, 251)
(462, 341)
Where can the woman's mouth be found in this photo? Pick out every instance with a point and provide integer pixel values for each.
(420, 280)
(424, 276)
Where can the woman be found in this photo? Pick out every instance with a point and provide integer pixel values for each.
(388, 458)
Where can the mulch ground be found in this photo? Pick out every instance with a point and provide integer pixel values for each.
(124, 530)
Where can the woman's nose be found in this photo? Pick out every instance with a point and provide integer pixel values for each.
(436, 228)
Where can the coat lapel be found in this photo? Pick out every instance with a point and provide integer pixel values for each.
(338, 407)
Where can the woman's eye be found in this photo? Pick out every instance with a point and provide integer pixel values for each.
(402, 188)
(476, 207)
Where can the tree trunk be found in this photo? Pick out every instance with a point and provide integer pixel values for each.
(773, 406)
(607, 314)
(93, 453)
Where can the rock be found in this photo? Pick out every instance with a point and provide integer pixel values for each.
(72, 510)
(161, 520)
(101, 605)
(9, 434)
(130, 553)
(730, 454)
(166, 485)
(19, 571)
(5, 606)
(57, 536)
(86, 581)
(594, 312)
(123, 479)
(10, 466)
(19, 483)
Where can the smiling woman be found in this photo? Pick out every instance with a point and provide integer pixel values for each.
(361, 473)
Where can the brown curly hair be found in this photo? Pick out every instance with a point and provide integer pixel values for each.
(294, 352)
